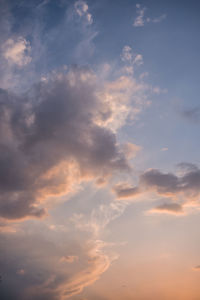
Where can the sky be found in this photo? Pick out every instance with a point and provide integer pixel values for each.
(99, 150)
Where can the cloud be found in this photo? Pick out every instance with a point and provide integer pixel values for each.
(69, 258)
(192, 114)
(65, 262)
(98, 263)
(131, 150)
(168, 208)
(141, 20)
(124, 190)
(99, 218)
(183, 187)
(197, 268)
(81, 8)
(17, 51)
(127, 54)
(164, 149)
(171, 184)
(99, 260)
(131, 59)
(158, 19)
(57, 135)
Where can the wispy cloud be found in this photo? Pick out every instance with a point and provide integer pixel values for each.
(99, 262)
(157, 20)
(168, 208)
(141, 19)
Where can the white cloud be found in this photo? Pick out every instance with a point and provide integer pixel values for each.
(130, 59)
(17, 52)
(138, 60)
(140, 20)
(127, 54)
(81, 8)
(158, 19)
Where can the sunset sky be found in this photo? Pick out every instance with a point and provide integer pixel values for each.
(99, 150)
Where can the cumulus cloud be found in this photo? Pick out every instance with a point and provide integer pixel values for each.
(58, 134)
(17, 51)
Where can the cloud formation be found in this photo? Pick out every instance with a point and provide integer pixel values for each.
(130, 59)
(183, 188)
(98, 263)
(170, 184)
(68, 259)
(141, 20)
(81, 8)
(17, 52)
(54, 136)
(192, 114)
(168, 208)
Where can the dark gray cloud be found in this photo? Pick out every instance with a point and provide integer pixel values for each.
(163, 183)
(174, 208)
(30, 265)
(183, 187)
(192, 114)
(51, 137)
(188, 183)
(125, 191)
